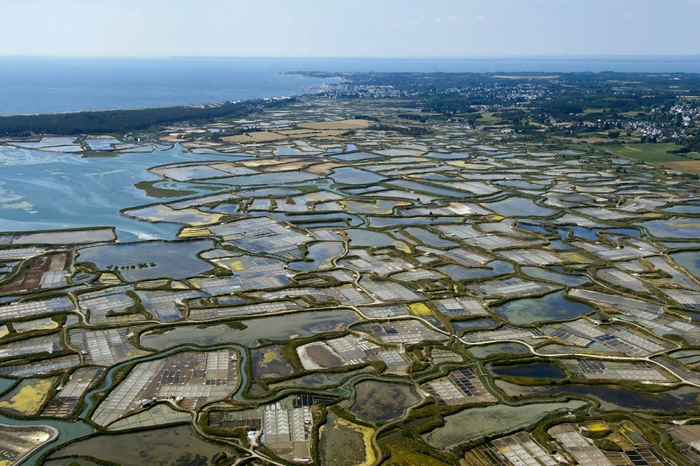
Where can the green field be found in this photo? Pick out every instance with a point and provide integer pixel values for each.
(651, 152)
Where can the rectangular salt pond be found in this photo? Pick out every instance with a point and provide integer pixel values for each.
(96, 235)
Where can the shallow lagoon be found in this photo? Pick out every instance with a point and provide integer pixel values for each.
(284, 327)
(474, 324)
(425, 188)
(484, 351)
(350, 175)
(674, 228)
(373, 239)
(535, 370)
(556, 277)
(174, 259)
(166, 446)
(268, 179)
(429, 238)
(612, 397)
(493, 268)
(320, 256)
(690, 261)
(519, 207)
(498, 418)
(42, 191)
(684, 209)
(553, 306)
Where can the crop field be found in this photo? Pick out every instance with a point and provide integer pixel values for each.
(652, 153)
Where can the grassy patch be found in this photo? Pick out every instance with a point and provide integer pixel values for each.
(29, 398)
(345, 443)
(649, 152)
(405, 452)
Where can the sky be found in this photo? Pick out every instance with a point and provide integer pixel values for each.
(349, 28)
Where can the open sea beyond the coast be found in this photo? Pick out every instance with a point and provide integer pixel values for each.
(49, 84)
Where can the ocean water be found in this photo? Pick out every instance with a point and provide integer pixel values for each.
(45, 85)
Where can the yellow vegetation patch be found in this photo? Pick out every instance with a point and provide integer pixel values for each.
(471, 166)
(39, 324)
(263, 162)
(327, 134)
(420, 309)
(367, 437)
(404, 453)
(632, 434)
(323, 168)
(109, 279)
(379, 207)
(297, 132)
(286, 167)
(149, 284)
(236, 266)
(29, 399)
(574, 257)
(401, 246)
(597, 427)
(192, 232)
(269, 356)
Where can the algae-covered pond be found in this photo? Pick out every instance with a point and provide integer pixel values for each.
(477, 422)
(283, 327)
(484, 351)
(376, 401)
(537, 370)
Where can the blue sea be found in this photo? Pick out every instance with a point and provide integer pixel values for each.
(46, 85)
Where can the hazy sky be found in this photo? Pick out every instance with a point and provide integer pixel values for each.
(349, 28)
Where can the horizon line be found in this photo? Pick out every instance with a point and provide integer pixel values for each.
(447, 57)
